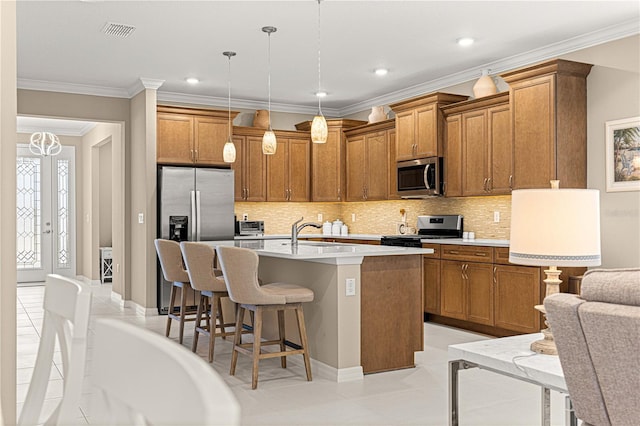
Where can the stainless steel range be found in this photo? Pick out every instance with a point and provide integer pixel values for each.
(435, 226)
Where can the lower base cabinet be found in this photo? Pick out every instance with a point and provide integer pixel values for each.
(467, 291)
(517, 291)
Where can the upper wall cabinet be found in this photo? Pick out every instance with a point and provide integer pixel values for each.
(548, 105)
(328, 161)
(478, 150)
(371, 164)
(420, 125)
(288, 170)
(250, 167)
(187, 136)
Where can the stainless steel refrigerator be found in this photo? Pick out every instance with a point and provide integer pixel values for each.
(194, 204)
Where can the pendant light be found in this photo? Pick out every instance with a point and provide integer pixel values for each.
(319, 131)
(45, 144)
(229, 150)
(269, 142)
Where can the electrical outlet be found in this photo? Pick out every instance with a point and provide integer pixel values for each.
(140, 217)
(353, 217)
(319, 217)
(245, 216)
(496, 216)
(351, 287)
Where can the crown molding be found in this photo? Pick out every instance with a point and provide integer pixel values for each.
(241, 103)
(78, 89)
(59, 131)
(144, 84)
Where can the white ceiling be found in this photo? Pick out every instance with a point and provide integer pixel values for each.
(61, 46)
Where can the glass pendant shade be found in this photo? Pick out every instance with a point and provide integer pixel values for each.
(269, 143)
(319, 130)
(229, 152)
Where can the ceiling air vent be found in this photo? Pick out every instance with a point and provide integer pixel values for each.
(118, 30)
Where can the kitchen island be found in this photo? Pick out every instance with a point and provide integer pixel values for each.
(366, 315)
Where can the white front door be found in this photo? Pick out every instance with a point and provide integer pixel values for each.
(45, 191)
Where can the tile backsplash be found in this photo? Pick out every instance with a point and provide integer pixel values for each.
(380, 217)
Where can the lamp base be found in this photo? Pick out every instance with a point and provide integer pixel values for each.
(546, 346)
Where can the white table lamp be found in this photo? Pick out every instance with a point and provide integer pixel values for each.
(554, 227)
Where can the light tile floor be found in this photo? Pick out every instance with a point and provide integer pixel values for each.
(416, 396)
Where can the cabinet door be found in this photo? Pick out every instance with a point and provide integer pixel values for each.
(328, 168)
(431, 270)
(501, 149)
(533, 115)
(175, 139)
(393, 170)
(255, 170)
(426, 139)
(474, 153)
(298, 169)
(377, 166)
(517, 291)
(479, 292)
(405, 135)
(238, 169)
(210, 137)
(453, 157)
(278, 172)
(355, 168)
(453, 290)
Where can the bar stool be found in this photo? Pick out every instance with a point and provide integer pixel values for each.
(200, 259)
(174, 272)
(240, 271)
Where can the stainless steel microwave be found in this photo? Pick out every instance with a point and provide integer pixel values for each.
(420, 178)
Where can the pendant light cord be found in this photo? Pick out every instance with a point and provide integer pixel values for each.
(229, 87)
(269, 78)
(319, 73)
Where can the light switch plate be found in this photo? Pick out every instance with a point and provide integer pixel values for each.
(351, 287)
(140, 217)
(496, 216)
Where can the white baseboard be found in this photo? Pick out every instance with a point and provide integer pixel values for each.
(141, 310)
(88, 281)
(320, 369)
(116, 297)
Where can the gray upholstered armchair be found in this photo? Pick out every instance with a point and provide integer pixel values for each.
(598, 340)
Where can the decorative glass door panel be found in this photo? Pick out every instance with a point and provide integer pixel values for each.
(45, 215)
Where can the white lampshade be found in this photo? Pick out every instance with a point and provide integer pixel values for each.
(269, 142)
(555, 227)
(319, 130)
(229, 152)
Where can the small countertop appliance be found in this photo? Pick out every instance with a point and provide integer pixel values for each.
(250, 227)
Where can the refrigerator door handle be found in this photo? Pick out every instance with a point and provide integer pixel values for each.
(197, 216)
(193, 216)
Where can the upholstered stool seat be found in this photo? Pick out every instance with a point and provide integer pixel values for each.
(204, 277)
(173, 270)
(240, 271)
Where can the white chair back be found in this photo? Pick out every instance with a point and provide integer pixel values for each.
(140, 378)
(67, 304)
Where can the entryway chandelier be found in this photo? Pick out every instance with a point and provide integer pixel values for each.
(44, 144)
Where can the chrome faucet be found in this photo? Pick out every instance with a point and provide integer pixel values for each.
(295, 230)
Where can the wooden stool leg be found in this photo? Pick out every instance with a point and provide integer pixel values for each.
(215, 303)
(221, 316)
(257, 334)
(198, 322)
(183, 311)
(237, 339)
(303, 339)
(283, 359)
(172, 302)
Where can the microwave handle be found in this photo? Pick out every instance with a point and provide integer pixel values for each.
(426, 177)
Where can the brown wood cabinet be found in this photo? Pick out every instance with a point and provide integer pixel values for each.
(369, 161)
(478, 150)
(328, 161)
(250, 167)
(517, 291)
(188, 136)
(420, 125)
(431, 279)
(548, 103)
(288, 170)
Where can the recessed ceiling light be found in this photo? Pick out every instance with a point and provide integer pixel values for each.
(381, 71)
(465, 41)
(321, 94)
(193, 80)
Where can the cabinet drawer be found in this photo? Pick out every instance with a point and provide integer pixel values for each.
(467, 253)
(437, 249)
(501, 255)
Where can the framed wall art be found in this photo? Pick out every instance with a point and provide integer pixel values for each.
(623, 154)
